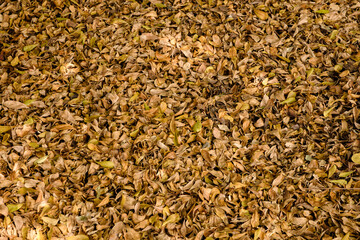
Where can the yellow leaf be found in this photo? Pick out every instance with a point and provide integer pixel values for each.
(257, 233)
(322, 11)
(92, 147)
(123, 58)
(173, 218)
(261, 14)
(30, 121)
(4, 129)
(118, 21)
(23, 190)
(289, 100)
(14, 207)
(332, 170)
(160, 5)
(106, 164)
(244, 106)
(41, 160)
(92, 42)
(78, 237)
(163, 106)
(345, 174)
(346, 237)
(265, 81)
(34, 144)
(14, 62)
(146, 107)
(197, 126)
(328, 112)
(94, 141)
(284, 58)
(291, 94)
(356, 158)
(310, 72)
(209, 69)
(28, 48)
(339, 181)
(134, 97)
(50, 221)
(134, 133)
(333, 34)
(338, 68)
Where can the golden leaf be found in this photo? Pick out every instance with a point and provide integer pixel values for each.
(14, 207)
(106, 164)
(28, 48)
(332, 170)
(339, 181)
(173, 218)
(50, 221)
(78, 237)
(15, 61)
(4, 129)
(356, 158)
(41, 160)
(289, 101)
(261, 14)
(197, 126)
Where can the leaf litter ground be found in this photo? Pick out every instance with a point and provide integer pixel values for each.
(179, 119)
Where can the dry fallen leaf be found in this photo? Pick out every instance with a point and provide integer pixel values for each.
(261, 14)
(356, 158)
(78, 237)
(15, 105)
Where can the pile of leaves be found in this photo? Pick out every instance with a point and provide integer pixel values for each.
(179, 119)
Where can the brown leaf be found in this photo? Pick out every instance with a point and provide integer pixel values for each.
(278, 180)
(131, 234)
(261, 14)
(205, 154)
(15, 105)
(148, 37)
